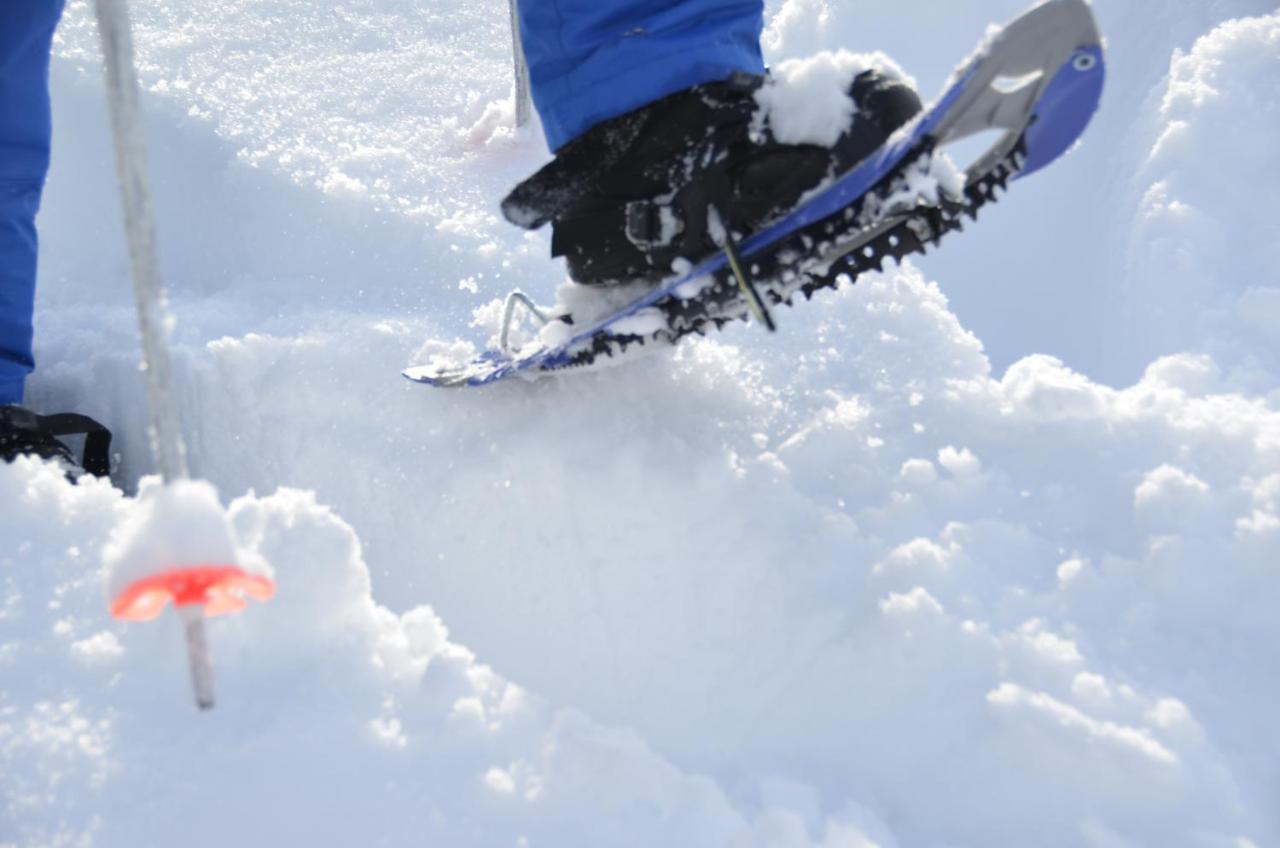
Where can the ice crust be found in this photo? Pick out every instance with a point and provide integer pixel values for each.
(849, 584)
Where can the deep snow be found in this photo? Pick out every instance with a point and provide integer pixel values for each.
(899, 575)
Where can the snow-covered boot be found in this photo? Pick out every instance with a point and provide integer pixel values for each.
(670, 181)
(24, 433)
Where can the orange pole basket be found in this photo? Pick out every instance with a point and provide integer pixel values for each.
(218, 589)
(196, 592)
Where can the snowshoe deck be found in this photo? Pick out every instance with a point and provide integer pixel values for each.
(1038, 79)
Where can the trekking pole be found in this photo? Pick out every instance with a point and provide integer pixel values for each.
(523, 107)
(139, 219)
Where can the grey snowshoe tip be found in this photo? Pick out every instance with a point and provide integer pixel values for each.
(24, 433)
(1048, 59)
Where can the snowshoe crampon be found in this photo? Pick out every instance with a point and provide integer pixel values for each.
(1037, 82)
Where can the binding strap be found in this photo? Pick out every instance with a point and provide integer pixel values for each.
(97, 442)
(560, 183)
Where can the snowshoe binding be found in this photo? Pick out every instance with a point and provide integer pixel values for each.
(673, 180)
(24, 433)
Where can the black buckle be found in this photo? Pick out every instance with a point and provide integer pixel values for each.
(651, 225)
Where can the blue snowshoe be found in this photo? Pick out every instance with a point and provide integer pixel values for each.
(693, 213)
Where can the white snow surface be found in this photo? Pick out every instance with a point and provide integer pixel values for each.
(859, 582)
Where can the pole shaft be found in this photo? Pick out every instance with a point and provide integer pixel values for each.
(523, 106)
(198, 658)
(139, 218)
(124, 105)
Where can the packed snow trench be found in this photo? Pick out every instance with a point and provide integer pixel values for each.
(982, 551)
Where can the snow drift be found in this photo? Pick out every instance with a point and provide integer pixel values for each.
(849, 585)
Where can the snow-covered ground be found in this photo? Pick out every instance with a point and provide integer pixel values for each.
(982, 551)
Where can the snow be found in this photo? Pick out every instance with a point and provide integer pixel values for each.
(859, 582)
(1189, 223)
(806, 100)
(644, 321)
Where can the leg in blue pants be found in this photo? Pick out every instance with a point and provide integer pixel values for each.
(590, 60)
(26, 32)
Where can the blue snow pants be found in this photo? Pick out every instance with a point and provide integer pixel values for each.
(590, 60)
(26, 33)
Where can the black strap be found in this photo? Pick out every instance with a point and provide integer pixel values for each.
(579, 165)
(97, 441)
(719, 195)
(547, 194)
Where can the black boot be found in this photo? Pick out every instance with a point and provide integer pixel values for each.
(638, 192)
(23, 433)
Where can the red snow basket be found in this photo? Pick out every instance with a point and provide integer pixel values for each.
(217, 588)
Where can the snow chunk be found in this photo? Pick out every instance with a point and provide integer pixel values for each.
(1071, 722)
(177, 526)
(1091, 687)
(806, 101)
(1195, 374)
(918, 473)
(643, 323)
(342, 185)
(1070, 571)
(1048, 645)
(101, 647)
(961, 463)
(1170, 714)
(918, 555)
(916, 602)
(1044, 387)
(1169, 487)
(500, 781)
(496, 123)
